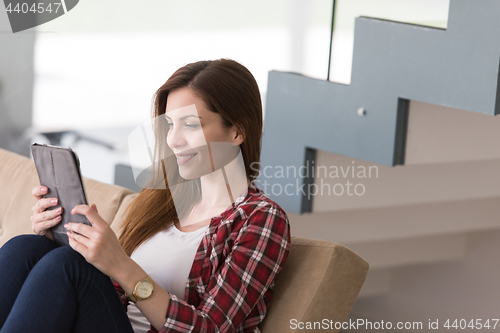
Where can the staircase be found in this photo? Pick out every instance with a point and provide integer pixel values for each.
(428, 98)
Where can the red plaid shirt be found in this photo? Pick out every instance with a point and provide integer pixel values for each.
(231, 281)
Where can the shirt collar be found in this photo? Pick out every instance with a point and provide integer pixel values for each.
(250, 189)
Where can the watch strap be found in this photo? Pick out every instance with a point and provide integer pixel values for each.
(131, 298)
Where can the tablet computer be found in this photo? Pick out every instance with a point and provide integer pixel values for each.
(59, 170)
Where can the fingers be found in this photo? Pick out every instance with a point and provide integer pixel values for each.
(39, 191)
(95, 207)
(90, 213)
(79, 238)
(43, 204)
(40, 228)
(46, 215)
(75, 242)
(80, 228)
(42, 219)
(45, 220)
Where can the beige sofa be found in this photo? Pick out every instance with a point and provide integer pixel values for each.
(319, 282)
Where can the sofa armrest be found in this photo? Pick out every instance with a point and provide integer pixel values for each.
(320, 280)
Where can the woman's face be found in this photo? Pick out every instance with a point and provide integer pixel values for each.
(197, 136)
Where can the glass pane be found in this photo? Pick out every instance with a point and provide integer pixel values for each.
(432, 13)
(103, 60)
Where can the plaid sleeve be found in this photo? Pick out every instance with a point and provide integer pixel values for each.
(259, 252)
(121, 294)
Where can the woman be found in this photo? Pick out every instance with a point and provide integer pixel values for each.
(200, 246)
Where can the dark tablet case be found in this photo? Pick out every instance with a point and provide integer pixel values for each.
(59, 170)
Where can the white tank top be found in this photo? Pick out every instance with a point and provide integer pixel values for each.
(167, 257)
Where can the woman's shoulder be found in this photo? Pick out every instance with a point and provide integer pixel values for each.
(257, 202)
(262, 220)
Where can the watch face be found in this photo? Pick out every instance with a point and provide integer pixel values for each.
(144, 289)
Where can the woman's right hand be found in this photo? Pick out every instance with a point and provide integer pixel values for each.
(42, 220)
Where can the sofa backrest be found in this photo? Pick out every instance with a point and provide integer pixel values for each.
(18, 177)
(320, 279)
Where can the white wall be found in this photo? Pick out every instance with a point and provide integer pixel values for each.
(465, 289)
(16, 86)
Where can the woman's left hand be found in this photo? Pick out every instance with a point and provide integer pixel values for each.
(98, 243)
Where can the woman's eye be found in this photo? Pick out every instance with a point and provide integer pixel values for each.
(169, 125)
(192, 125)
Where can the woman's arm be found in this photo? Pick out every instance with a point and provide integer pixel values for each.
(99, 245)
(155, 306)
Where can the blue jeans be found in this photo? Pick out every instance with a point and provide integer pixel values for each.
(46, 288)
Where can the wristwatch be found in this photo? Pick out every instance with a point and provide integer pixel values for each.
(142, 290)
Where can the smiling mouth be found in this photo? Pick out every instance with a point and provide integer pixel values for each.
(182, 159)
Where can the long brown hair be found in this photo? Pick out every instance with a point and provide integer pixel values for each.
(226, 87)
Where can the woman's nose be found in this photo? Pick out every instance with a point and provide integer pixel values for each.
(175, 138)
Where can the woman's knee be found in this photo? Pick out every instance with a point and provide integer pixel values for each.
(70, 261)
(65, 265)
(28, 246)
(64, 255)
